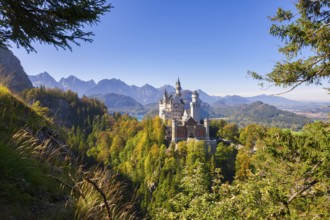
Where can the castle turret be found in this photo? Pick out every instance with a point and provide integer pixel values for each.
(163, 106)
(195, 106)
(206, 125)
(165, 97)
(194, 96)
(178, 88)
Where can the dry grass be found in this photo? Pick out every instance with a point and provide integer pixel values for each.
(96, 193)
(103, 197)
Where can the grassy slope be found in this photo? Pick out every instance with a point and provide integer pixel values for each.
(15, 114)
(26, 190)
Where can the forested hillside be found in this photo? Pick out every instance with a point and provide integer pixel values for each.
(265, 172)
(120, 103)
(41, 176)
(262, 114)
(255, 171)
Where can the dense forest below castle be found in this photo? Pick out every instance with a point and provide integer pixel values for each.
(67, 157)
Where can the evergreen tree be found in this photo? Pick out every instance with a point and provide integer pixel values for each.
(58, 23)
(309, 29)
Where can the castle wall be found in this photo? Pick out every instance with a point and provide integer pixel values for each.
(181, 133)
(200, 132)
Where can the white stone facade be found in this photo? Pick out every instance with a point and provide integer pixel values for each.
(185, 122)
(173, 107)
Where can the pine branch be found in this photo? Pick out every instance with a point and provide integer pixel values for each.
(292, 88)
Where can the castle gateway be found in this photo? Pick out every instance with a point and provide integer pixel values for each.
(185, 121)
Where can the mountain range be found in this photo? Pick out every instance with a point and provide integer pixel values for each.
(144, 95)
(70, 83)
(147, 94)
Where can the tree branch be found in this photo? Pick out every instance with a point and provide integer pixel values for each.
(302, 190)
(309, 173)
(292, 88)
(68, 186)
(102, 194)
(60, 181)
(317, 30)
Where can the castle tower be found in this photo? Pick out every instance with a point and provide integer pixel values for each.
(174, 130)
(178, 88)
(163, 105)
(195, 107)
(207, 132)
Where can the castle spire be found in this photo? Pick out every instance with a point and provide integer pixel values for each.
(178, 84)
(165, 95)
(178, 88)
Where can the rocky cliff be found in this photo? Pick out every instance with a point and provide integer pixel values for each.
(12, 73)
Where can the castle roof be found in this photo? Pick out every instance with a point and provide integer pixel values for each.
(177, 99)
(190, 122)
(178, 84)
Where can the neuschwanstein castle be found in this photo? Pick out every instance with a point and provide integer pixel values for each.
(185, 121)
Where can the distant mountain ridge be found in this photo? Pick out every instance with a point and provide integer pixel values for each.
(77, 85)
(44, 79)
(148, 94)
(70, 83)
(145, 94)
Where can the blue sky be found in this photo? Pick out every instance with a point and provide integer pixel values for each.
(209, 44)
